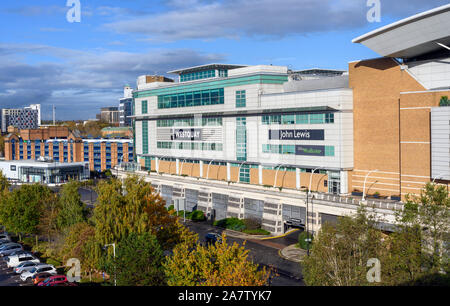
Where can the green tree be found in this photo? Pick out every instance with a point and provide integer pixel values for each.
(138, 261)
(4, 184)
(48, 222)
(72, 209)
(21, 211)
(340, 253)
(214, 265)
(430, 213)
(80, 243)
(132, 208)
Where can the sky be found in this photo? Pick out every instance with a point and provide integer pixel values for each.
(82, 66)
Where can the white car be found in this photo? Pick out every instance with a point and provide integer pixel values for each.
(14, 261)
(8, 250)
(39, 269)
(15, 254)
(5, 236)
(26, 266)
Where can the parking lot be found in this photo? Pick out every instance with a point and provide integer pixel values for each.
(9, 278)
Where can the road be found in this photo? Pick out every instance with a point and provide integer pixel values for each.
(9, 278)
(263, 252)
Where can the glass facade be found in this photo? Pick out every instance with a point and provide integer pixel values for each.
(217, 121)
(197, 75)
(144, 137)
(241, 148)
(321, 118)
(203, 146)
(193, 98)
(144, 107)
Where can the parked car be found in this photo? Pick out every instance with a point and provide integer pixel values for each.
(213, 238)
(7, 245)
(26, 266)
(5, 236)
(17, 260)
(40, 277)
(54, 280)
(10, 249)
(4, 242)
(16, 253)
(36, 270)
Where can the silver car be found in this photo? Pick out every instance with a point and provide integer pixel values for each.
(26, 266)
(8, 250)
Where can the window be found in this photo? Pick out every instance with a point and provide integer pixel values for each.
(317, 118)
(240, 98)
(187, 99)
(144, 107)
(144, 137)
(329, 150)
(329, 118)
(302, 119)
(12, 168)
(288, 119)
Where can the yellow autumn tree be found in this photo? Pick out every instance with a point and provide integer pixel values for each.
(218, 264)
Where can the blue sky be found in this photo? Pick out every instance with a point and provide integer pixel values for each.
(81, 67)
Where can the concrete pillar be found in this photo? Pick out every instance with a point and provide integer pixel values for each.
(177, 165)
(297, 178)
(157, 164)
(344, 182)
(201, 168)
(228, 172)
(260, 174)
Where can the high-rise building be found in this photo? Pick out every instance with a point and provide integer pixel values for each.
(110, 114)
(25, 118)
(126, 107)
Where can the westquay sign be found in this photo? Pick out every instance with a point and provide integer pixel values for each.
(297, 134)
(186, 134)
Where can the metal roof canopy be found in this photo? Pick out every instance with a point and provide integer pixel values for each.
(412, 36)
(206, 67)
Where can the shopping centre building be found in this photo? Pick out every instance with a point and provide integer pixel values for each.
(234, 132)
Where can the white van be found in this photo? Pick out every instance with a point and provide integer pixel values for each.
(14, 261)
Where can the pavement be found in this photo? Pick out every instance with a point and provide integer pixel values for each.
(293, 253)
(265, 252)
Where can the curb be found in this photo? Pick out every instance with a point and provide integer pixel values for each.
(280, 236)
(287, 258)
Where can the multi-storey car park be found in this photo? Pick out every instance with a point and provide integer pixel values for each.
(224, 136)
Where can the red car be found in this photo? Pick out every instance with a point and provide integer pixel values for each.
(54, 280)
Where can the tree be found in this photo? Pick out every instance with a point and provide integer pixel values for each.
(4, 184)
(80, 243)
(430, 213)
(72, 208)
(214, 265)
(340, 253)
(132, 208)
(21, 210)
(138, 261)
(48, 223)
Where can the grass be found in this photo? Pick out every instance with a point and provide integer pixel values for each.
(258, 231)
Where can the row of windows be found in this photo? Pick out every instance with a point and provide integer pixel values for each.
(145, 137)
(195, 98)
(197, 75)
(189, 146)
(190, 122)
(290, 149)
(299, 119)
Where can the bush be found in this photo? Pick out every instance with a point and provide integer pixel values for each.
(234, 224)
(171, 207)
(54, 262)
(258, 231)
(301, 240)
(252, 224)
(198, 215)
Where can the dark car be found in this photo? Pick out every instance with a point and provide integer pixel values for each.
(212, 238)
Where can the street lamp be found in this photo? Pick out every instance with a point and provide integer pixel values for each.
(276, 174)
(207, 172)
(114, 252)
(364, 188)
(307, 202)
(438, 175)
(239, 171)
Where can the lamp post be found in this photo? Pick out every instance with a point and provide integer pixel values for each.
(364, 188)
(114, 253)
(307, 202)
(239, 171)
(438, 175)
(276, 174)
(207, 172)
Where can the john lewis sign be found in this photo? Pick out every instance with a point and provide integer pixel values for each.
(297, 134)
